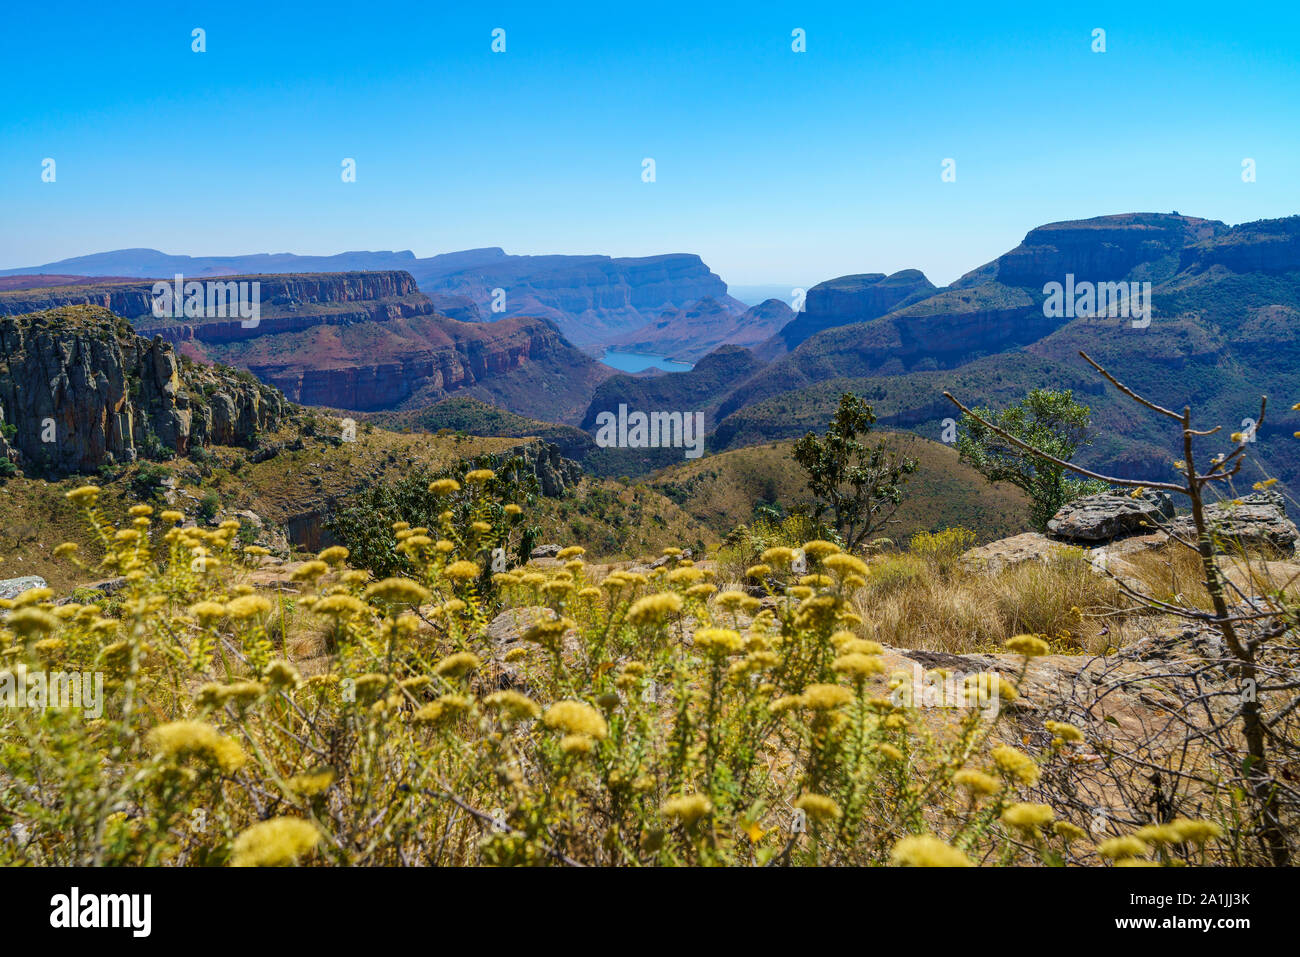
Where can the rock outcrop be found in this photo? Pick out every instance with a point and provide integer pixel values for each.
(555, 474)
(1255, 521)
(1099, 518)
(1111, 528)
(81, 390)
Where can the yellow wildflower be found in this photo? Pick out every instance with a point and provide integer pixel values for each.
(926, 850)
(576, 717)
(279, 841)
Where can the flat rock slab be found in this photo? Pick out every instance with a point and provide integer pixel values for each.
(1100, 518)
(1013, 551)
(1255, 520)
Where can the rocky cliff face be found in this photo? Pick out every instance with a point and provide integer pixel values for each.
(360, 341)
(81, 390)
(367, 368)
(287, 296)
(590, 299)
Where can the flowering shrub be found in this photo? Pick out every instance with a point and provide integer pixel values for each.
(624, 718)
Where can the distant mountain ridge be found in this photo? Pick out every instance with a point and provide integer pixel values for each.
(690, 333)
(590, 299)
(1224, 330)
(359, 341)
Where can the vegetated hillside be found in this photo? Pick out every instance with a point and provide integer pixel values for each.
(913, 401)
(288, 483)
(471, 416)
(943, 331)
(697, 390)
(723, 490)
(1222, 333)
(687, 334)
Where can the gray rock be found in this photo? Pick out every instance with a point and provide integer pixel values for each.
(1259, 521)
(13, 587)
(509, 626)
(545, 551)
(1099, 518)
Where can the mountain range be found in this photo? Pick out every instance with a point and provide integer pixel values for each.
(590, 299)
(1222, 332)
(389, 332)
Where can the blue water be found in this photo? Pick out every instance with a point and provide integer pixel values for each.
(637, 362)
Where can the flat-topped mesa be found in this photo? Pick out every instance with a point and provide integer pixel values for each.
(845, 300)
(81, 390)
(1103, 248)
(590, 299)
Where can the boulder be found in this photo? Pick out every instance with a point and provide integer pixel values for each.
(1009, 552)
(1257, 520)
(545, 551)
(1100, 518)
(13, 587)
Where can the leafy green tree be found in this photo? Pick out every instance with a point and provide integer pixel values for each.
(1047, 419)
(857, 486)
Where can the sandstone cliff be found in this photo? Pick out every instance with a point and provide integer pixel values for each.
(590, 298)
(361, 341)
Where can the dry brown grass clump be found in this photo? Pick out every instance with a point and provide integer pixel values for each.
(916, 602)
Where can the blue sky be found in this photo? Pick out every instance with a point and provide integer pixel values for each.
(775, 166)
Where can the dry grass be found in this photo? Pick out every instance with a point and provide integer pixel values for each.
(914, 602)
(925, 598)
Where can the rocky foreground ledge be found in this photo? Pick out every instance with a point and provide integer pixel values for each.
(1111, 528)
